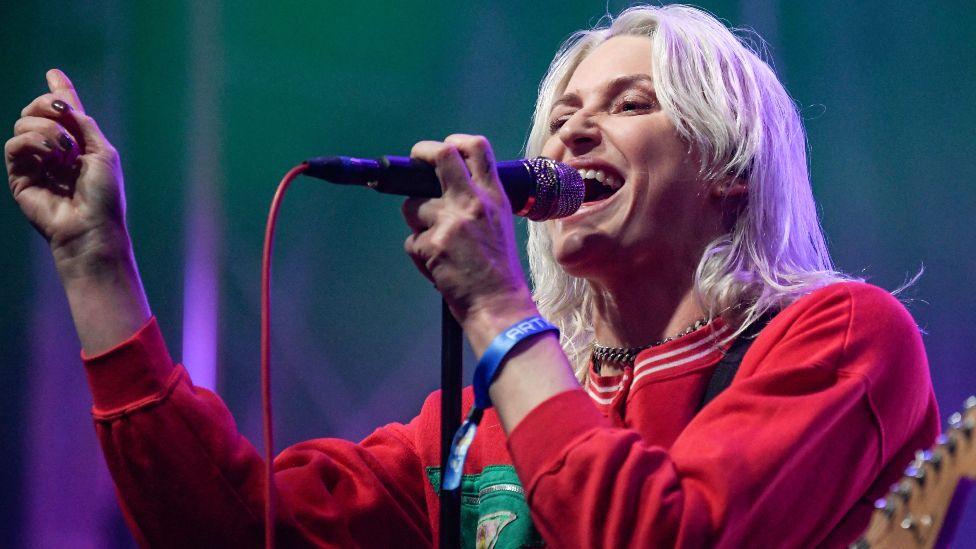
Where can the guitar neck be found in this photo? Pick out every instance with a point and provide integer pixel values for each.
(923, 508)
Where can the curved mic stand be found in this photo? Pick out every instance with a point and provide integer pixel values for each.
(451, 368)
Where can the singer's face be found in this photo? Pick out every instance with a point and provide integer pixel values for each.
(608, 119)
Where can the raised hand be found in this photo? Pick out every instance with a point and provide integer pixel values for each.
(67, 179)
(66, 176)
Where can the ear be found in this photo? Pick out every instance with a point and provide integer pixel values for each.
(730, 196)
(735, 188)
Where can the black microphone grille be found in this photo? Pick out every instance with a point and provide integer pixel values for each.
(559, 189)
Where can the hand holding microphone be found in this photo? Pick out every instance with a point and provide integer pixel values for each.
(464, 241)
(538, 188)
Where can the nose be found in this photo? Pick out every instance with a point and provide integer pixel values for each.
(580, 134)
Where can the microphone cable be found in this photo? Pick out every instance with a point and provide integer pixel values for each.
(266, 255)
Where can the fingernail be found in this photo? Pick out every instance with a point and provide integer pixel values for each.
(66, 142)
(47, 144)
(60, 106)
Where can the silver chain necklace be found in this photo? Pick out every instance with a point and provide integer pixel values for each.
(626, 355)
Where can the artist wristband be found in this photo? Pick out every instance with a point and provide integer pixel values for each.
(490, 362)
(484, 374)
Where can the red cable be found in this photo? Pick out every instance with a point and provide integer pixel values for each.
(266, 353)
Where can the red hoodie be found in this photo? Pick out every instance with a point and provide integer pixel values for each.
(825, 411)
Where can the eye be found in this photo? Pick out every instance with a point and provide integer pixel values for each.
(557, 123)
(637, 104)
(634, 106)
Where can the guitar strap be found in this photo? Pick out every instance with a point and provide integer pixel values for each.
(729, 365)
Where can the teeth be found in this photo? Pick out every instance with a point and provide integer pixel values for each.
(602, 177)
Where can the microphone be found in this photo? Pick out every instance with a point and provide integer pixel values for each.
(538, 188)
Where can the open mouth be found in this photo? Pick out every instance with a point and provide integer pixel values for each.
(599, 185)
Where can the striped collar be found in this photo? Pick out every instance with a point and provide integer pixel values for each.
(701, 347)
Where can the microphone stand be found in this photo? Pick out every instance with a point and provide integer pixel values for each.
(450, 500)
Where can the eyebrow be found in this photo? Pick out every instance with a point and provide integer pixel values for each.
(615, 86)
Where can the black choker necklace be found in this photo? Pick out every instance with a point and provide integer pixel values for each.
(626, 355)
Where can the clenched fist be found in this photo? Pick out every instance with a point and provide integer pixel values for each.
(67, 179)
(66, 176)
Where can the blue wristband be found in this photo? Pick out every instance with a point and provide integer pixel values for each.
(484, 374)
(495, 354)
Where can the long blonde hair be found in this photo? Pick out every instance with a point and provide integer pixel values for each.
(725, 100)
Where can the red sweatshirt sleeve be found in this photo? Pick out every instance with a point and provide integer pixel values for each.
(834, 390)
(187, 478)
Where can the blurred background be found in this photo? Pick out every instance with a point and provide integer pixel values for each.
(210, 103)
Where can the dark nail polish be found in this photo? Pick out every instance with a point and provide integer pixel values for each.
(59, 105)
(48, 144)
(66, 142)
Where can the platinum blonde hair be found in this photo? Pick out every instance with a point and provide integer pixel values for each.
(726, 101)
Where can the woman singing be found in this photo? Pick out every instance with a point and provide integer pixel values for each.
(699, 241)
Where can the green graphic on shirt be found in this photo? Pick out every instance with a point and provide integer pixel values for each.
(490, 528)
(494, 513)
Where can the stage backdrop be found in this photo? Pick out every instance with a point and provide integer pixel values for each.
(210, 103)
